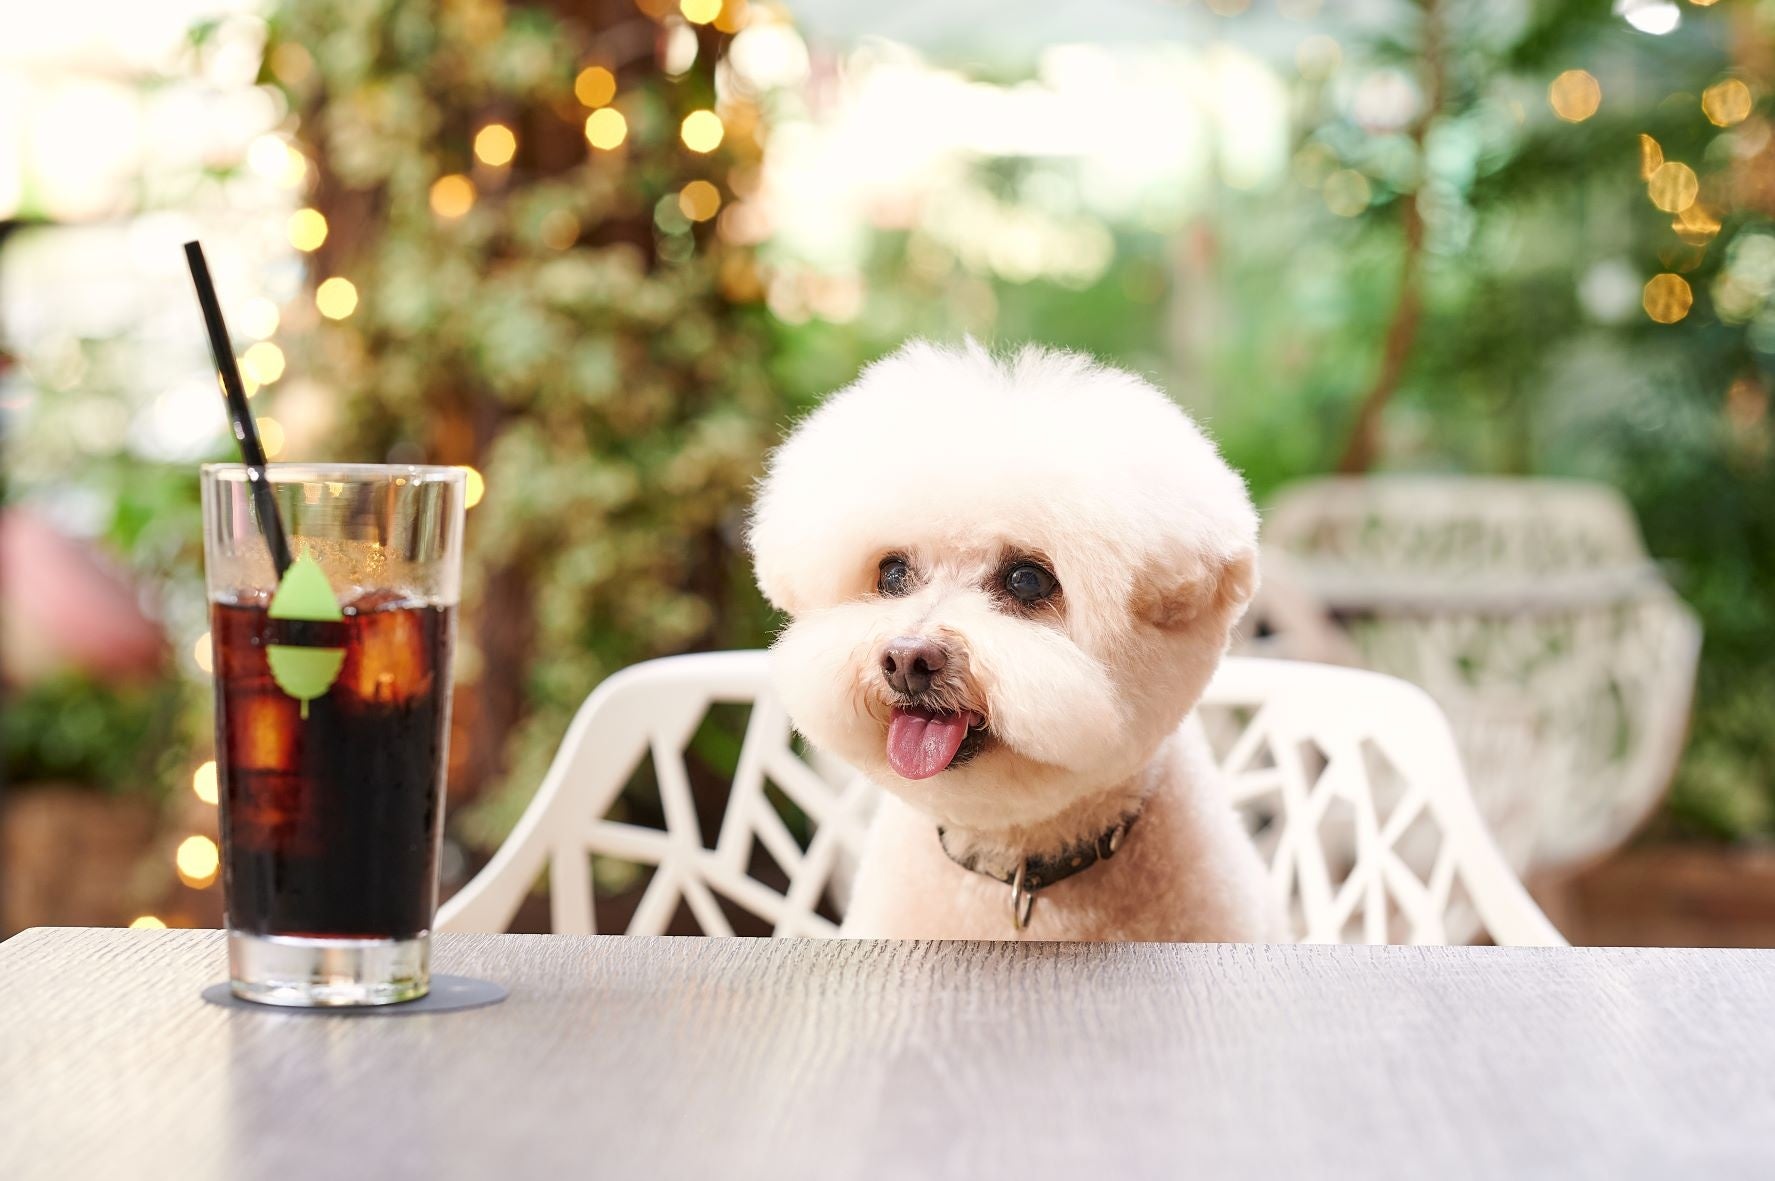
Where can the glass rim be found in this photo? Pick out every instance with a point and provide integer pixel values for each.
(305, 473)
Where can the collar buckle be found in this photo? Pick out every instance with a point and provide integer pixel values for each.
(1035, 873)
(1022, 898)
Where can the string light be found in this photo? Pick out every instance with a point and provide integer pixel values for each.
(595, 86)
(336, 298)
(452, 196)
(700, 12)
(201, 653)
(1726, 103)
(1696, 225)
(258, 317)
(678, 52)
(263, 362)
(275, 160)
(734, 15)
(1673, 186)
(699, 200)
(307, 229)
(1575, 95)
(203, 781)
(1667, 298)
(271, 434)
(606, 128)
(495, 145)
(474, 486)
(146, 922)
(197, 861)
(702, 131)
(1651, 156)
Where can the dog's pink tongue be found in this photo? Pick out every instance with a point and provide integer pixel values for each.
(920, 744)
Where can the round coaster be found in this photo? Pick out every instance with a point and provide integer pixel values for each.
(448, 994)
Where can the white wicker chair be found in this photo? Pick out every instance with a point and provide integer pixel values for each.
(1530, 612)
(1304, 746)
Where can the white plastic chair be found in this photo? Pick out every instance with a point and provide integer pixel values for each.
(1530, 611)
(1304, 746)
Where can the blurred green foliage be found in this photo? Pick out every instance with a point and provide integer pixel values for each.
(72, 729)
(574, 336)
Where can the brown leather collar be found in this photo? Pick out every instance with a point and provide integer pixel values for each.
(1040, 871)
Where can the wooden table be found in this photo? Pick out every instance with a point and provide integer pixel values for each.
(629, 1057)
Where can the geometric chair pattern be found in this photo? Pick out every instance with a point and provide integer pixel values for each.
(1311, 752)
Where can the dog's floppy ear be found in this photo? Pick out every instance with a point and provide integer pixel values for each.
(1201, 590)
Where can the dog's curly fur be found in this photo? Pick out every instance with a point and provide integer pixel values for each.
(963, 465)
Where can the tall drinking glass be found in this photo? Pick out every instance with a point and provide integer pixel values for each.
(332, 722)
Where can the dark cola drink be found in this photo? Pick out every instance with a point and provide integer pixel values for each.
(331, 795)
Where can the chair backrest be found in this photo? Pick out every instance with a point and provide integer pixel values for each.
(1362, 540)
(1310, 750)
(1529, 610)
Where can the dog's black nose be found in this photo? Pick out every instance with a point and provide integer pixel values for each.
(910, 662)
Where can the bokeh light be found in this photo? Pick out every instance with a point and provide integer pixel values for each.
(147, 922)
(1667, 298)
(1575, 95)
(452, 196)
(271, 434)
(263, 362)
(699, 200)
(606, 128)
(1651, 156)
(1696, 225)
(307, 229)
(1318, 57)
(1346, 192)
(678, 53)
(201, 653)
(1673, 186)
(336, 298)
(197, 861)
(700, 12)
(702, 131)
(203, 781)
(258, 317)
(1726, 103)
(595, 86)
(495, 145)
(559, 229)
(734, 15)
(474, 486)
(276, 161)
(1656, 17)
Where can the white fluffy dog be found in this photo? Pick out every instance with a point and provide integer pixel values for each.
(1008, 582)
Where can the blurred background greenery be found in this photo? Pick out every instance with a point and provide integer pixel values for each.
(601, 251)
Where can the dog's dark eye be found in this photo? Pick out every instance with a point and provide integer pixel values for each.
(895, 578)
(1029, 583)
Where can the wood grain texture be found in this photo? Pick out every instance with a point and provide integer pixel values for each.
(620, 1056)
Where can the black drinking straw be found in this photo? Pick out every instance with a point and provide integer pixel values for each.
(246, 433)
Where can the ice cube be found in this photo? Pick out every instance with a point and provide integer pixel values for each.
(262, 732)
(386, 661)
